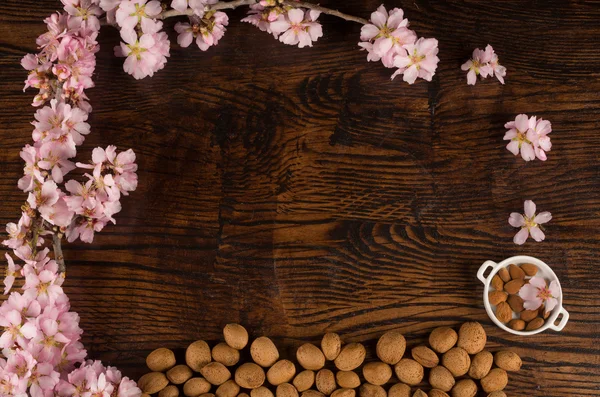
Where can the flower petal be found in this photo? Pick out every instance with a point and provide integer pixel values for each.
(529, 208)
(554, 289)
(543, 217)
(533, 304)
(513, 147)
(522, 122)
(516, 219)
(551, 304)
(537, 282)
(537, 234)
(527, 152)
(521, 237)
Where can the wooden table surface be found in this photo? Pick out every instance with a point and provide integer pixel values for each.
(300, 191)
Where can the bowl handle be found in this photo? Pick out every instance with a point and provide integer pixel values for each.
(563, 320)
(482, 270)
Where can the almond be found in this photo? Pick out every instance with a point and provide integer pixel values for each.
(515, 272)
(282, 371)
(409, 371)
(481, 364)
(161, 360)
(249, 376)
(464, 388)
(390, 347)
(196, 386)
(399, 390)
(529, 269)
(286, 390)
(325, 381)
(419, 393)
(198, 355)
(472, 337)
(516, 303)
(377, 373)
(534, 324)
(442, 339)
(351, 357)
(517, 324)
(310, 357)
(264, 352)
(228, 389)
(513, 286)
(441, 378)
(347, 379)
(344, 393)
(261, 392)
(424, 356)
(369, 390)
(496, 380)
(215, 373)
(496, 297)
(179, 374)
(225, 354)
(169, 391)
(153, 382)
(331, 344)
(528, 315)
(504, 274)
(507, 360)
(503, 312)
(437, 393)
(236, 336)
(497, 283)
(304, 380)
(312, 393)
(457, 361)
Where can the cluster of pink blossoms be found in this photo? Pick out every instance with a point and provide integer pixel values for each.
(529, 135)
(41, 350)
(207, 30)
(388, 38)
(292, 26)
(484, 64)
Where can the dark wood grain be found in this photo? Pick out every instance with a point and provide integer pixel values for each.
(300, 191)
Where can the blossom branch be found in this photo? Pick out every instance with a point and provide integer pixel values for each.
(238, 3)
(222, 5)
(58, 254)
(325, 10)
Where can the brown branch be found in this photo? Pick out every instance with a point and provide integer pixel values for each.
(324, 10)
(58, 254)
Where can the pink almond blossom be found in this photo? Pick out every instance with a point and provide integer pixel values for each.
(386, 35)
(529, 136)
(536, 293)
(133, 12)
(207, 31)
(297, 27)
(420, 60)
(483, 63)
(529, 223)
(196, 5)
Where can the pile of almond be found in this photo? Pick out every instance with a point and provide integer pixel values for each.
(453, 363)
(506, 302)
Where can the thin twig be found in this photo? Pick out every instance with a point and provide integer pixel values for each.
(58, 254)
(224, 5)
(325, 10)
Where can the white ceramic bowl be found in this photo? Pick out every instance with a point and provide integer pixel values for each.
(544, 271)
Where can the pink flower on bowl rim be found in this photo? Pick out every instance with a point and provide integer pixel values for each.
(536, 293)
